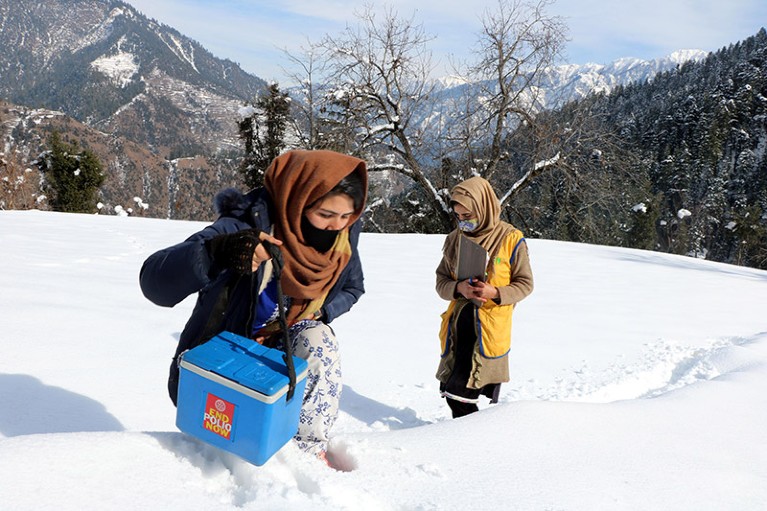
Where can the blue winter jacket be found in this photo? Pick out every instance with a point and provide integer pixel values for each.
(224, 300)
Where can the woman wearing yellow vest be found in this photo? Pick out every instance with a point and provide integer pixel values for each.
(476, 328)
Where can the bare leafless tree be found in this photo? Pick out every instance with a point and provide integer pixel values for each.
(586, 190)
(307, 74)
(380, 99)
(519, 41)
(381, 68)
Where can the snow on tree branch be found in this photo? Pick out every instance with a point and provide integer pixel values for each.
(529, 175)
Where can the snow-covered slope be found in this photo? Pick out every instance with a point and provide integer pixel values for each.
(639, 381)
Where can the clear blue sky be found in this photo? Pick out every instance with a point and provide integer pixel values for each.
(253, 32)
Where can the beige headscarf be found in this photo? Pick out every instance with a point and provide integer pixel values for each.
(477, 195)
(295, 180)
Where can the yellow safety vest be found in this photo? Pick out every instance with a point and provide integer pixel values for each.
(494, 321)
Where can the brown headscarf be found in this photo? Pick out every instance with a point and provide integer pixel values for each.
(477, 195)
(295, 180)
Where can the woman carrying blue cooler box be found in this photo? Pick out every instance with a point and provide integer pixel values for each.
(309, 207)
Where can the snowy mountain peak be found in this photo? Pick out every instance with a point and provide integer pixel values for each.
(568, 82)
(682, 56)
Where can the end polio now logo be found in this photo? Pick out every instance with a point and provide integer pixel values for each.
(219, 416)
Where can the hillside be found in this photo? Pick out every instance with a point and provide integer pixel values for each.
(106, 65)
(177, 188)
(701, 135)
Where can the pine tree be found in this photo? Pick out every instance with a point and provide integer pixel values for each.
(72, 176)
(750, 238)
(263, 133)
(644, 218)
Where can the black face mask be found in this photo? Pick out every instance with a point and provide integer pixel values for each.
(320, 240)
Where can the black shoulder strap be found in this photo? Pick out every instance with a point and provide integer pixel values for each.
(277, 264)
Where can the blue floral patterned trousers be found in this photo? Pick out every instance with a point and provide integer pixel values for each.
(315, 342)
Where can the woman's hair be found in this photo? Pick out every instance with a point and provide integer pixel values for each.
(352, 186)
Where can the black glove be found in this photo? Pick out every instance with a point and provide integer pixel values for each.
(234, 251)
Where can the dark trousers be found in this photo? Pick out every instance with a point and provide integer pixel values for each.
(465, 339)
(459, 408)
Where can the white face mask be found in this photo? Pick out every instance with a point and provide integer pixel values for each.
(468, 225)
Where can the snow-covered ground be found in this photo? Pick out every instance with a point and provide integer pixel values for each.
(639, 381)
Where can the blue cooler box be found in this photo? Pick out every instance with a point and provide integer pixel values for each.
(232, 393)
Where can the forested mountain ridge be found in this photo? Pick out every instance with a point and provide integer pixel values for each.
(693, 152)
(703, 135)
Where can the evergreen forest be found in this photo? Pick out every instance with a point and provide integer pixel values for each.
(685, 171)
